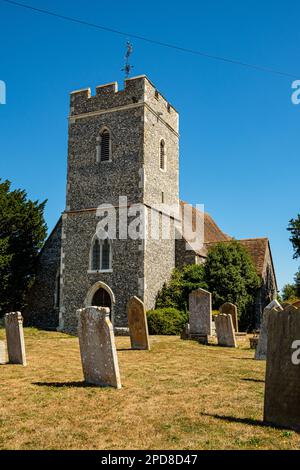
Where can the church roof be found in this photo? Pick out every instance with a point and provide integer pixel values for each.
(212, 232)
(256, 247)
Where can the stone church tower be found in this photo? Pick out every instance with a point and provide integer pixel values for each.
(121, 144)
(122, 162)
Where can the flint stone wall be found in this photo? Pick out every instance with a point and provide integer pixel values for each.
(43, 298)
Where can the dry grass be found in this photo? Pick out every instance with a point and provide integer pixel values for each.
(181, 395)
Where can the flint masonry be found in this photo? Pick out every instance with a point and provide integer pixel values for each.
(121, 143)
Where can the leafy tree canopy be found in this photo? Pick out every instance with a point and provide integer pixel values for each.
(22, 233)
(292, 291)
(229, 274)
(289, 292)
(297, 284)
(175, 294)
(294, 229)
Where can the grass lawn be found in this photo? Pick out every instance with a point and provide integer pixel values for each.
(180, 395)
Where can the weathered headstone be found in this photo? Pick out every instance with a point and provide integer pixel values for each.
(3, 353)
(231, 309)
(97, 347)
(282, 384)
(15, 338)
(261, 350)
(200, 313)
(225, 330)
(137, 322)
(185, 334)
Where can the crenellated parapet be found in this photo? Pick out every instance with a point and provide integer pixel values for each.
(137, 91)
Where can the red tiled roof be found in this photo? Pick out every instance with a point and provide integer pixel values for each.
(212, 233)
(256, 247)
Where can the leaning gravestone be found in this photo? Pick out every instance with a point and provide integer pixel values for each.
(137, 322)
(97, 347)
(3, 353)
(225, 330)
(231, 309)
(15, 338)
(261, 349)
(200, 313)
(282, 384)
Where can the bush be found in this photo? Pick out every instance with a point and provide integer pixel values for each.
(166, 321)
(231, 277)
(175, 294)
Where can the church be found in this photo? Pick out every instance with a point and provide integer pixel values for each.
(123, 145)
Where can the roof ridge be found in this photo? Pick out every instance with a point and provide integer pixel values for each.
(254, 238)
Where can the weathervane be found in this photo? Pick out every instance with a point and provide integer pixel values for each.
(128, 67)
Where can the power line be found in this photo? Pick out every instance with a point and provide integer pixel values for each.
(152, 41)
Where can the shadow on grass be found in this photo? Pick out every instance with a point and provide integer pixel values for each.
(249, 421)
(64, 384)
(253, 380)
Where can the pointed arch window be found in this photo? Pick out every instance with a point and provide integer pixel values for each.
(105, 261)
(162, 155)
(101, 255)
(105, 153)
(96, 255)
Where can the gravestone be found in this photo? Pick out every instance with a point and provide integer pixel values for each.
(138, 326)
(15, 338)
(3, 353)
(231, 309)
(200, 313)
(225, 330)
(185, 334)
(97, 347)
(261, 349)
(282, 384)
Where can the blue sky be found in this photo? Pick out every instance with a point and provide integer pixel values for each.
(239, 152)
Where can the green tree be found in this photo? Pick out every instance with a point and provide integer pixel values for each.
(289, 292)
(229, 274)
(175, 294)
(292, 291)
(294, 228)
(22, 232)
(231, 277)
(297, 284)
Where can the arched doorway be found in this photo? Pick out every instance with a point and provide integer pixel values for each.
(101, 295)
(101, 298)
